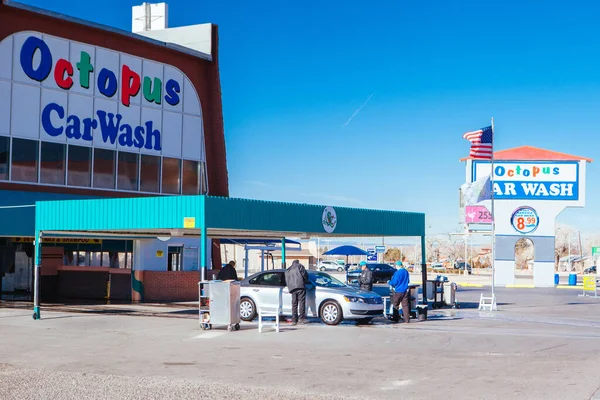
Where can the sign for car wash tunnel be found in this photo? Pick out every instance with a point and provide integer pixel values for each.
(515, 180)
(95, 96)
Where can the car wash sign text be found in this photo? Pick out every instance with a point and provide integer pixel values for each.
(40, 64)
(532, 180)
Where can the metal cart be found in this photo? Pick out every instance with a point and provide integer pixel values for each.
(435, 291)
(219, 304)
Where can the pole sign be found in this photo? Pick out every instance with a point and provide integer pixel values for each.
(595, 251)
(372, 256)
(525, 220)
(380, 249)
(477, 215)
(515, 180)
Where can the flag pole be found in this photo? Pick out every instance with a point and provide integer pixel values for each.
(493, 226)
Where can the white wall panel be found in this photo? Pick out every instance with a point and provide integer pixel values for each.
(5, 106)
(6, 63)
(192, 141)
(25, 113)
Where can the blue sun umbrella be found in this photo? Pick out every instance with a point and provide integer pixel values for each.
(346, 251)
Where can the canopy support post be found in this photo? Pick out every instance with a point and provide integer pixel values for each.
(283, 253)
(36, 276)
(246, 259)
(203, 240)
(423, 270)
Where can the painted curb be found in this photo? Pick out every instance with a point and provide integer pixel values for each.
(569, 287)
(520, 286)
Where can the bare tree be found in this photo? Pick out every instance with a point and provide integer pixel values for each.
(392, 254)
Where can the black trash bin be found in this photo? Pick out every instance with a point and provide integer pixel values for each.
(421, 312)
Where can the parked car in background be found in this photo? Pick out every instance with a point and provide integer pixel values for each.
(326, 297)
(330, 266)
(438, 266)
(590, 270)
(461, 266)
(381, 273)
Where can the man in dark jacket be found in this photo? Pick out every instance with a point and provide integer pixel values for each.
(228, 272)
(295, 278)
(366, 277)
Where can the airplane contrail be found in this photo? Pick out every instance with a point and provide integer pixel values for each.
(358, 109)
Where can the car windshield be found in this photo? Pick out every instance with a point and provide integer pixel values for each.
(324, 280)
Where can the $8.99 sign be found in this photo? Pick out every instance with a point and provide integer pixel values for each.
(525, 220)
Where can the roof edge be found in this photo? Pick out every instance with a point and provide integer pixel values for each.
(573, 157)
(52, 14)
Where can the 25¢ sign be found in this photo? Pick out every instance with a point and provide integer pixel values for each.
(525, 220)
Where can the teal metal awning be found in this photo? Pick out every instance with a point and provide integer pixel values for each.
(221, 218)
(213, 217)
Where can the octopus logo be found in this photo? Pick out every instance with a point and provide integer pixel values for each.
(329, 219)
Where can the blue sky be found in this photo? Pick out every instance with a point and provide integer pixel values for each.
(294, 73)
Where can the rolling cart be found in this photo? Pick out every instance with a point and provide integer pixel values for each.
(219, 304)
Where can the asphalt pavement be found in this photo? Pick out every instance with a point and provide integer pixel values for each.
(541, 344)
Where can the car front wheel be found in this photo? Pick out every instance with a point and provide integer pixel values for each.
(340, 269)
(331, 313)
(247, 309)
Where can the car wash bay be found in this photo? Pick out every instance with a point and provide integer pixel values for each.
(206, 217)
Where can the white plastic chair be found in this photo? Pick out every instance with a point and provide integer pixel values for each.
(487, 303)
(269, 311)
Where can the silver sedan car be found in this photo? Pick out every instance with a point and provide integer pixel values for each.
(326, 297)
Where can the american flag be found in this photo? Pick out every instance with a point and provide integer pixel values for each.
(482, 146)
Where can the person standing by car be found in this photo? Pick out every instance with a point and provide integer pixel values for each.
(228, 272)
(399, 283)
(295, 278)
(366, 277)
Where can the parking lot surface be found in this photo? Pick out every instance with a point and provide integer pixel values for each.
(541, 344)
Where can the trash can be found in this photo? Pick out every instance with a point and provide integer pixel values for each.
(556, 279)
(450, 294)
(422, 312)
(572, 279)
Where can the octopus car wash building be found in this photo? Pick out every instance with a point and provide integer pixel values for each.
(88, 111)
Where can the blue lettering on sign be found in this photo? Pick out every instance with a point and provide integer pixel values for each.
(173, 89)
(536, 190)
(107, 82)
(31, 45)
(112, 128)
(47, 123)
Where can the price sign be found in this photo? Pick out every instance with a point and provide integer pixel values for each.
(525, 220)
(477, 215)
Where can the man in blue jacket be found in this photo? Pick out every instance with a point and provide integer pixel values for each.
(399, 283)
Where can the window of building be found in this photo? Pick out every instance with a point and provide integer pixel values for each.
(128, 171)
(104, 169)
(4, 157)
(150, 174)
(174, 260)
(79, 166)
(25, 157)
(52, 164)
(191, 177)
(171, 176)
